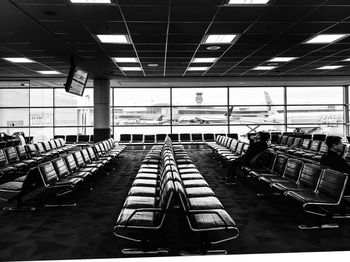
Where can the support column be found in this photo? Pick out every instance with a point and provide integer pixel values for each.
(102, 119)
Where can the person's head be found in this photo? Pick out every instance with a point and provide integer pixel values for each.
(334, 143)
(262, 136)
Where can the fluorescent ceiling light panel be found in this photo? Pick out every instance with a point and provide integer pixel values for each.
(198, 68)
(248, 2)
(131, 68)
(347, 60)
(325, 38)
(204, 60)
(113, 39)
(264, 68)
(125, 59)
(19, 60)
(329, 67)
(219, 39)
(90, 1)
(49, 72)
(282, 59)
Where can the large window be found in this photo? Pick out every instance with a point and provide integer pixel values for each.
(42, 112)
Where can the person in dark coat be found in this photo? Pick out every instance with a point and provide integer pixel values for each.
(333, 157)
(259, 145)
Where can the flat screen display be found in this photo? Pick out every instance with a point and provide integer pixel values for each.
(76, 81)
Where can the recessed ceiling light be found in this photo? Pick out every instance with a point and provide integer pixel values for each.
(325, 38)
(248, 2)
(204, 60)
(19, 60)
(213, 47)
(49, 72)
(198, 68)
(131, 68)
(114, 39)
(329, 67)
(347, 60)
(152, 65)
(282, 59)
(219, 39)
(125, 59)
(264, 68)
(90, 1)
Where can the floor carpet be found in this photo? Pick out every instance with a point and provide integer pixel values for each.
(267, 225)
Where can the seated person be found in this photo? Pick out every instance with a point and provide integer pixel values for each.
(333, 157)
(259, 145)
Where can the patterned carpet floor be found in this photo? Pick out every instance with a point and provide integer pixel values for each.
(267, 225)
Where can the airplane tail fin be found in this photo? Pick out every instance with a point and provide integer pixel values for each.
(160, 118)
(271, 109)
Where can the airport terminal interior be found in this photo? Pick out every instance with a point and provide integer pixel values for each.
(120, 120)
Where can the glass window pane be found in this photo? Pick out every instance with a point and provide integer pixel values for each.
(315, 95)
(74, 131)
(199, 96)
(41, 134)
(333, 130)
(199, 129)
(14, 97)
(141, 96)
(41, 97)
(199, 115)
(256, 95)
(74, 116)
(243, 130)
(62, 98)
(142, 116)
(323, 114)
(10, 130)
(41, 116)
(14, 117)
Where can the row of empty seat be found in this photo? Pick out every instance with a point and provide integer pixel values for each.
(76, 138)
(176, 138)
(151, 197)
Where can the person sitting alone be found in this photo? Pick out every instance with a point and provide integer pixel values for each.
(333, 157)
(259, 145)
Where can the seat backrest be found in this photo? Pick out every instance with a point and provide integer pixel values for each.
(320, 137)
(160, 138)
(197, 137)
(21, 152)
(174, 137)
(92, 154)
(220, 134)
(245, 148)
(16, 142)
(306, 143)
(62, 142)
(290, 141)
(309, 175)
(48, 173)
(233, 146)
(125, 138)
(293, 168)
(280, 164)
(208, 137)
(297, 141)
(52, 144)
(137, 138)
(71, 138)
(284, 140)
(3, 160)
(233, 135)
(39, 146)
(149, 139)
(91, 138)
(83, 138)
(275, 137)
(79, 159)
(59, 136)
(239, 148)
(46, 146)
(32, 150)
(185, 137)
(165, 194)
(332, 184)
(70, 161)
(315, 145)
(179, 189)
(85, 155)
(60, 167)
(266, 160)
(11, 155)
(323, 148)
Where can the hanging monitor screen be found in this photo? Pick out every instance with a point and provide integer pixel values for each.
(76, 81)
